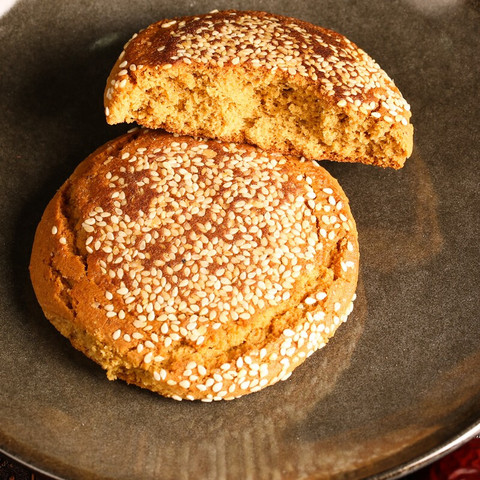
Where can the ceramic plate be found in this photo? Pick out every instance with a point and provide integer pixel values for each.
(397, 386)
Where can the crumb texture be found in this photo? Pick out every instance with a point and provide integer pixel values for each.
(197, 269)
(272, 81)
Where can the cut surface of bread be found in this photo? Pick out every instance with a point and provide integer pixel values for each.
(272, 81)
(195, 268)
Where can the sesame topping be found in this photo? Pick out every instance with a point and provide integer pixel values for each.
(275, 43)
(192, 237)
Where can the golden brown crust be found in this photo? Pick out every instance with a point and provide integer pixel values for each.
(324, 64)
(194, 268)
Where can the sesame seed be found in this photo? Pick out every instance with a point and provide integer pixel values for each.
(169, 24)
(217, 387)
(148, 357)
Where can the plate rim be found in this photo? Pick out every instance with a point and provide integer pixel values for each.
(394, 473)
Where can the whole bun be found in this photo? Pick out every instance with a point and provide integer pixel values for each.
(195, 268)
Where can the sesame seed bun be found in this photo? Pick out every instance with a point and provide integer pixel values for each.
(195, 268)
(276, 82)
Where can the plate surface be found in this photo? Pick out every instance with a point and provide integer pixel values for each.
(398, 384)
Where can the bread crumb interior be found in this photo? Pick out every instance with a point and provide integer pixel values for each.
(258, 107)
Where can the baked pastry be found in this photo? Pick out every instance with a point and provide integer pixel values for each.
(272, 81)
(195, 268)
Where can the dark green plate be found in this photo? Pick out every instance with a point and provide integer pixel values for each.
(399, 384)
